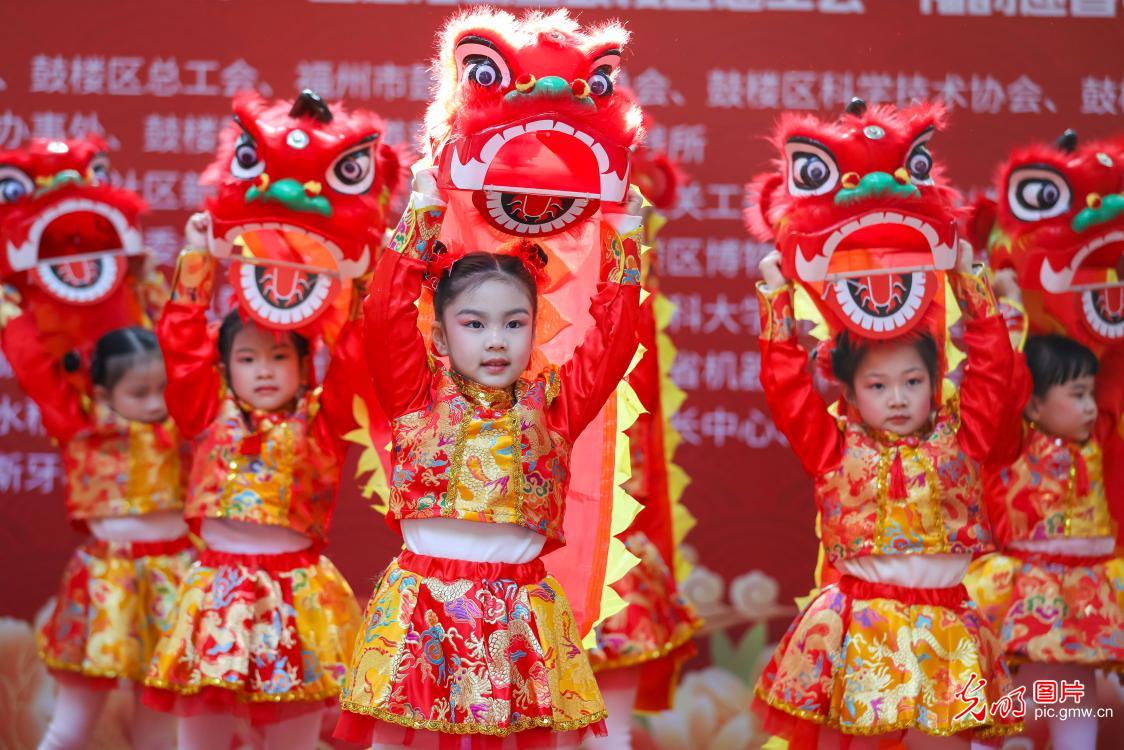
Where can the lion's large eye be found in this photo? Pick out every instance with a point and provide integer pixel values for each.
(811, 168)
(600, 84)
(246, 164)
(919, 162)
(99, 167)
(480, 63)
(1037, 193)
(482, 72)
(14, 184)
(353, 172)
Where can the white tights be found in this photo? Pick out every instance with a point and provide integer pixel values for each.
(77, 709)
(212, 730)
(618, 689)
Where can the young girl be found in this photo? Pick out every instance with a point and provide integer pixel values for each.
(896, 645)
(1056, 593)
(468, 640)
(122, 461)
(263, 619)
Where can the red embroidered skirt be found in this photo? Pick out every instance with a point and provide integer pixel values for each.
(461, 654)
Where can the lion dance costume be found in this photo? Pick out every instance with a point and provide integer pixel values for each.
(864, 221)
(300, 211)
(528, 152)
(641, 649)
(1055, 594)
(74, 270)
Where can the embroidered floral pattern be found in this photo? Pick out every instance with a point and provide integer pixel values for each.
(941, 511)
(472, 655)
(270, 471)
(266, 635)
(1046, 611)
(121, 468)
(878, 665)
(457, 458)
(112, 608)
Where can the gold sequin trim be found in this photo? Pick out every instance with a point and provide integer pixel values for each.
(111, 674)
(246, 696)
(448, 727)
(677, 641)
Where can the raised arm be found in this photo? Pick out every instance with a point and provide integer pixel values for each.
(395, 350)
(601, 360)
(991, 388)
(42, 378)
(190, 358)
(798, 410)
(346, 380)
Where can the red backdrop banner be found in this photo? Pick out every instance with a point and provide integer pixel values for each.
(156, 78)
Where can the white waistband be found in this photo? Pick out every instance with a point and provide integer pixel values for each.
(244, 538)
(936, 571)
(475, 541)
(147, 527)
(1093, 546)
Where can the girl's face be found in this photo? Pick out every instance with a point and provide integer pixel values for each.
(1068, 410)
(139, 395)
(892, 389)
(487, 332)
(264, 369)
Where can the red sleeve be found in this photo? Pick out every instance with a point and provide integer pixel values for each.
(1008, 443)
(345, 380)
(42, 379)
(797, 409)
(600, 362)
(986, 414)
(1110, 394)
(394, 348)
(190, 358)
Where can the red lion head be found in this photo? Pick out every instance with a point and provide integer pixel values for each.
(63, 223)
(860, 213)
(527, 118)
(70, 243)
(303, 189)
(1059, 223)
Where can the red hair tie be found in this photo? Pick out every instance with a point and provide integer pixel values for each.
(532, 256)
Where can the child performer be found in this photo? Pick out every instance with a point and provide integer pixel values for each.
(1055, 594)
(121, 456)
(264, 620)
(468, 641)
(896, 645)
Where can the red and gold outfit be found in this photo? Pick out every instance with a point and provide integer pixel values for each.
(115, 598)
(1049, 602)
(253, 631)
(478, 648)
(868, 658)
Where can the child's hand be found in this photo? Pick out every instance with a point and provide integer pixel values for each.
(770, 268)
(197, 231)
(1005, 284)
(966, 258)
(425, 181)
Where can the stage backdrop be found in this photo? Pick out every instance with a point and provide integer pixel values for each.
(156, 78)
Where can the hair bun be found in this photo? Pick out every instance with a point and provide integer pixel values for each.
(71, 361)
